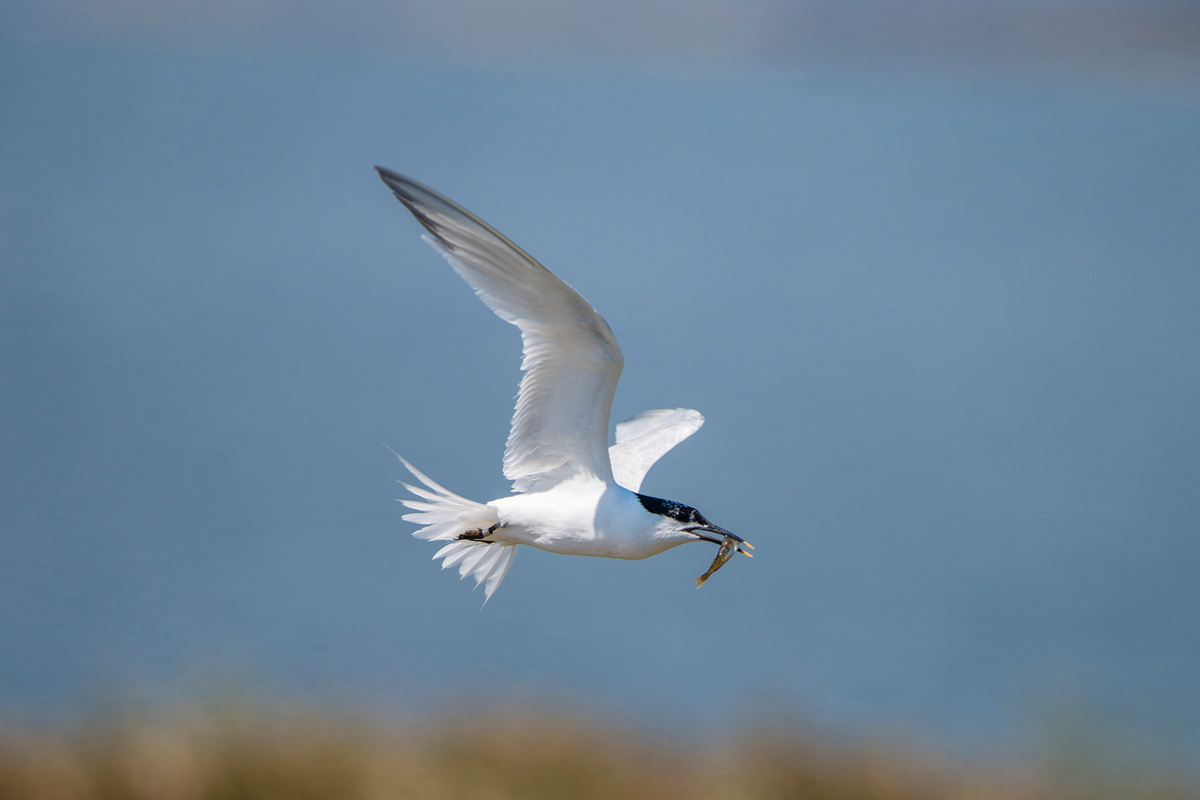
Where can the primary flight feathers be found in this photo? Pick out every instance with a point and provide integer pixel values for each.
(572, 361)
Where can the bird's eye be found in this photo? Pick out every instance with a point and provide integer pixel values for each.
(686, 514)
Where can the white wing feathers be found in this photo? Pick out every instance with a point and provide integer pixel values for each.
(571, 359)
(644, 439)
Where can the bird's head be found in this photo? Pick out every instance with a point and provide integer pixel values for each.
(685, 523)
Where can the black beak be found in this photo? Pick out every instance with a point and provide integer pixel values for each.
(714, 533)
(718, 535)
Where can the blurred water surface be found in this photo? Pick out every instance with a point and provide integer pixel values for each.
(943, 328)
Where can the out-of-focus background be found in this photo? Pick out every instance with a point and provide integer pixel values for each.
(931, 271)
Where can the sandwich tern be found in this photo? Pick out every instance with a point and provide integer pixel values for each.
(573, 494)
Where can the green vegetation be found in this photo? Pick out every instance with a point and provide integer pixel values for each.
(229, 753)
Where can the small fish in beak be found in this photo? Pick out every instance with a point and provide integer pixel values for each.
(731, 544)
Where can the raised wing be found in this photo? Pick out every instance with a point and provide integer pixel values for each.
(571, 363)
(644, 439)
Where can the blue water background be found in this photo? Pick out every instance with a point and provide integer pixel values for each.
(945, 329)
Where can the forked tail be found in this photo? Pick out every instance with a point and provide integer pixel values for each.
(446, 517)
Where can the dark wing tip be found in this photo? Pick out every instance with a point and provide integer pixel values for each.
(414, 196)
(394, 180)
(434, 210)
(405, 188)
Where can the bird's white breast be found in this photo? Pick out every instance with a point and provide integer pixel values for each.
(582, 517)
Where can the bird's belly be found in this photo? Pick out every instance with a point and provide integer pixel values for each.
(567, 526)
(569, 540)
(599, 547)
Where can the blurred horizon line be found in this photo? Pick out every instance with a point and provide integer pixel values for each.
(1072, 34)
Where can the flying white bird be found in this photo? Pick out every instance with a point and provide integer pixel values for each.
(574, 494)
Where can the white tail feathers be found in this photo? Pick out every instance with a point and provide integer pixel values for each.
(446, 516)
(488, 563)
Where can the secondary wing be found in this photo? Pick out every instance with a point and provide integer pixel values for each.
(644, 439)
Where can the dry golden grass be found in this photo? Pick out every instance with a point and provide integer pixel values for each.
(233, 754)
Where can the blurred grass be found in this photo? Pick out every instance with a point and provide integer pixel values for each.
(234, 752)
